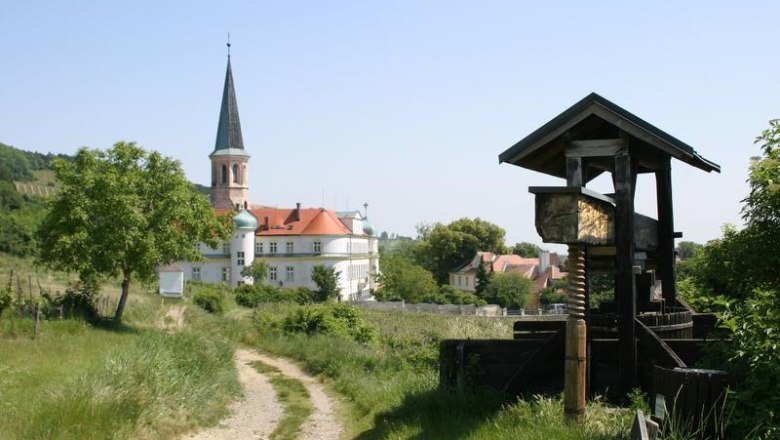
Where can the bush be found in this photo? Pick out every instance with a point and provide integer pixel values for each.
(211, 299)
(78, 301)
(340, 320)
(253, 295)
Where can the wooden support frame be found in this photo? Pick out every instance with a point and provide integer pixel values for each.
(666, 234)
(625, 286)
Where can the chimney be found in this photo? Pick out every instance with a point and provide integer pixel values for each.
(544, 261)
(297, 213)
(266, 223)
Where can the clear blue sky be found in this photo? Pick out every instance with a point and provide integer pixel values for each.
(404, 105)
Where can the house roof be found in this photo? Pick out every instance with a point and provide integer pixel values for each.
(311, 221)
(229, 129)
(595, 117)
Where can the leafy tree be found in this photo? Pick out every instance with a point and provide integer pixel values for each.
(402, 279)
(526, 250)
(483, 279)
(258, 270)
(509, 289)
(327, 281)
(448, 246)
(123, 212)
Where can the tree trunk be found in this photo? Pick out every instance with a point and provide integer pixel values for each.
(120, 308)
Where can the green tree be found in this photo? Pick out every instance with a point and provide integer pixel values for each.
(526, 250)
(258, 270)
(509, 289)
(688, 249)
(327, 281)
(123, 212)
(483, 279)
(402, 279)
(449, 246)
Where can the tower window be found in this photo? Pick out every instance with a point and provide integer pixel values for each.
(239, 258)
(224, 173)
(235, 173)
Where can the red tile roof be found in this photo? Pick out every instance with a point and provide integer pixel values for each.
(312, 221)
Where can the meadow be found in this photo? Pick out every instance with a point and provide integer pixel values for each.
(146, 380)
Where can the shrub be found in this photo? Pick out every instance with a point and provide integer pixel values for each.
(253, 295)
(78, 301)
(210, 299)
(340, 320)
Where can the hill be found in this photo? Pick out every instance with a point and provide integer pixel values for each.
(26, 179)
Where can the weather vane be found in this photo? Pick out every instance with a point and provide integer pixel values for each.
(228, 44)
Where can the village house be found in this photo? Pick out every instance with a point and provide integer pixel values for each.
(290, 240)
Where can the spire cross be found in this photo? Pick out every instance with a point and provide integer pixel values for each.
(228, 44)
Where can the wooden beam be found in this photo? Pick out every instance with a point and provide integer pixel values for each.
(574, 174)
(665, 356)
(594, 148)
(625, 287)
(536, 360)
(666, 259)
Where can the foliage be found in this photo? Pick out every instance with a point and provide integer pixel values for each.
(447, 294)
(327, 281)
(688, 249)
(509, 289)
(483, 279)
(78, 301)
(248, 295)
(258, 271)
(210, 299)
(403, 279)
(448, 246)
(124, 212)
(753, 353)
(555, 293)
(339, 319)
(526, 249)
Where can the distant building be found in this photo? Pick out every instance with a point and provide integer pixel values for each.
(290, 240)
(542, 270)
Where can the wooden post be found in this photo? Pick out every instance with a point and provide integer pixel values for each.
(576, 331)
(37, 320)
(666, 263)
(625, 287)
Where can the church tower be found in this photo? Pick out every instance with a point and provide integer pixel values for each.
(229, 160)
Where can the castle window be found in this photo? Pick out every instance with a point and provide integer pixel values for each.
(240, 258)
(290, 248)
(272, 247)
(235, 173)
(272, 273)
(224, 173)
(289, 273)
(226, 248)
(259, 248)
(317, 247)
(196, 274)
(225, 274)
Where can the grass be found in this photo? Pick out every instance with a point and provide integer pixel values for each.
(294, 398)
(76, 381)
(391, 385)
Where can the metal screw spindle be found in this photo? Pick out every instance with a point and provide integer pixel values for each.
(576, 285)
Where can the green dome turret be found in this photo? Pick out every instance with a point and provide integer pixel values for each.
(245, 220)
(369, 229)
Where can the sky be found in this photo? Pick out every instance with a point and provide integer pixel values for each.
(404, 105)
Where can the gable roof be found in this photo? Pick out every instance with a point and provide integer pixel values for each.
(595, 117)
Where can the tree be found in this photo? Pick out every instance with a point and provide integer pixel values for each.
(483, 279)
(688, 249)
(526, 249)
(509, 289)
(402, 279)
(258, 270)
(327, 281)
(448, 246)
(124, 212)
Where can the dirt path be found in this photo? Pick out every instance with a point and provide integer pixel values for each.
(254, 417)
(322, 424)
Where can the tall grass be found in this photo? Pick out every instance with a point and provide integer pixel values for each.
(392, 388)
(80, 382)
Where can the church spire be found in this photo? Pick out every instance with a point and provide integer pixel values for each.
(229, 128)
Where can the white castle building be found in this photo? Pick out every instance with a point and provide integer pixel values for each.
(290, 240)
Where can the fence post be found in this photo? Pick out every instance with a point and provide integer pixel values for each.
(37, 320)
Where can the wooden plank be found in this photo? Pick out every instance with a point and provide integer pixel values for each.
(666, 258)
(665, 356)
(625, 288)
(533, 325)
(594, 148)
(535, 360)
(574, 175)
